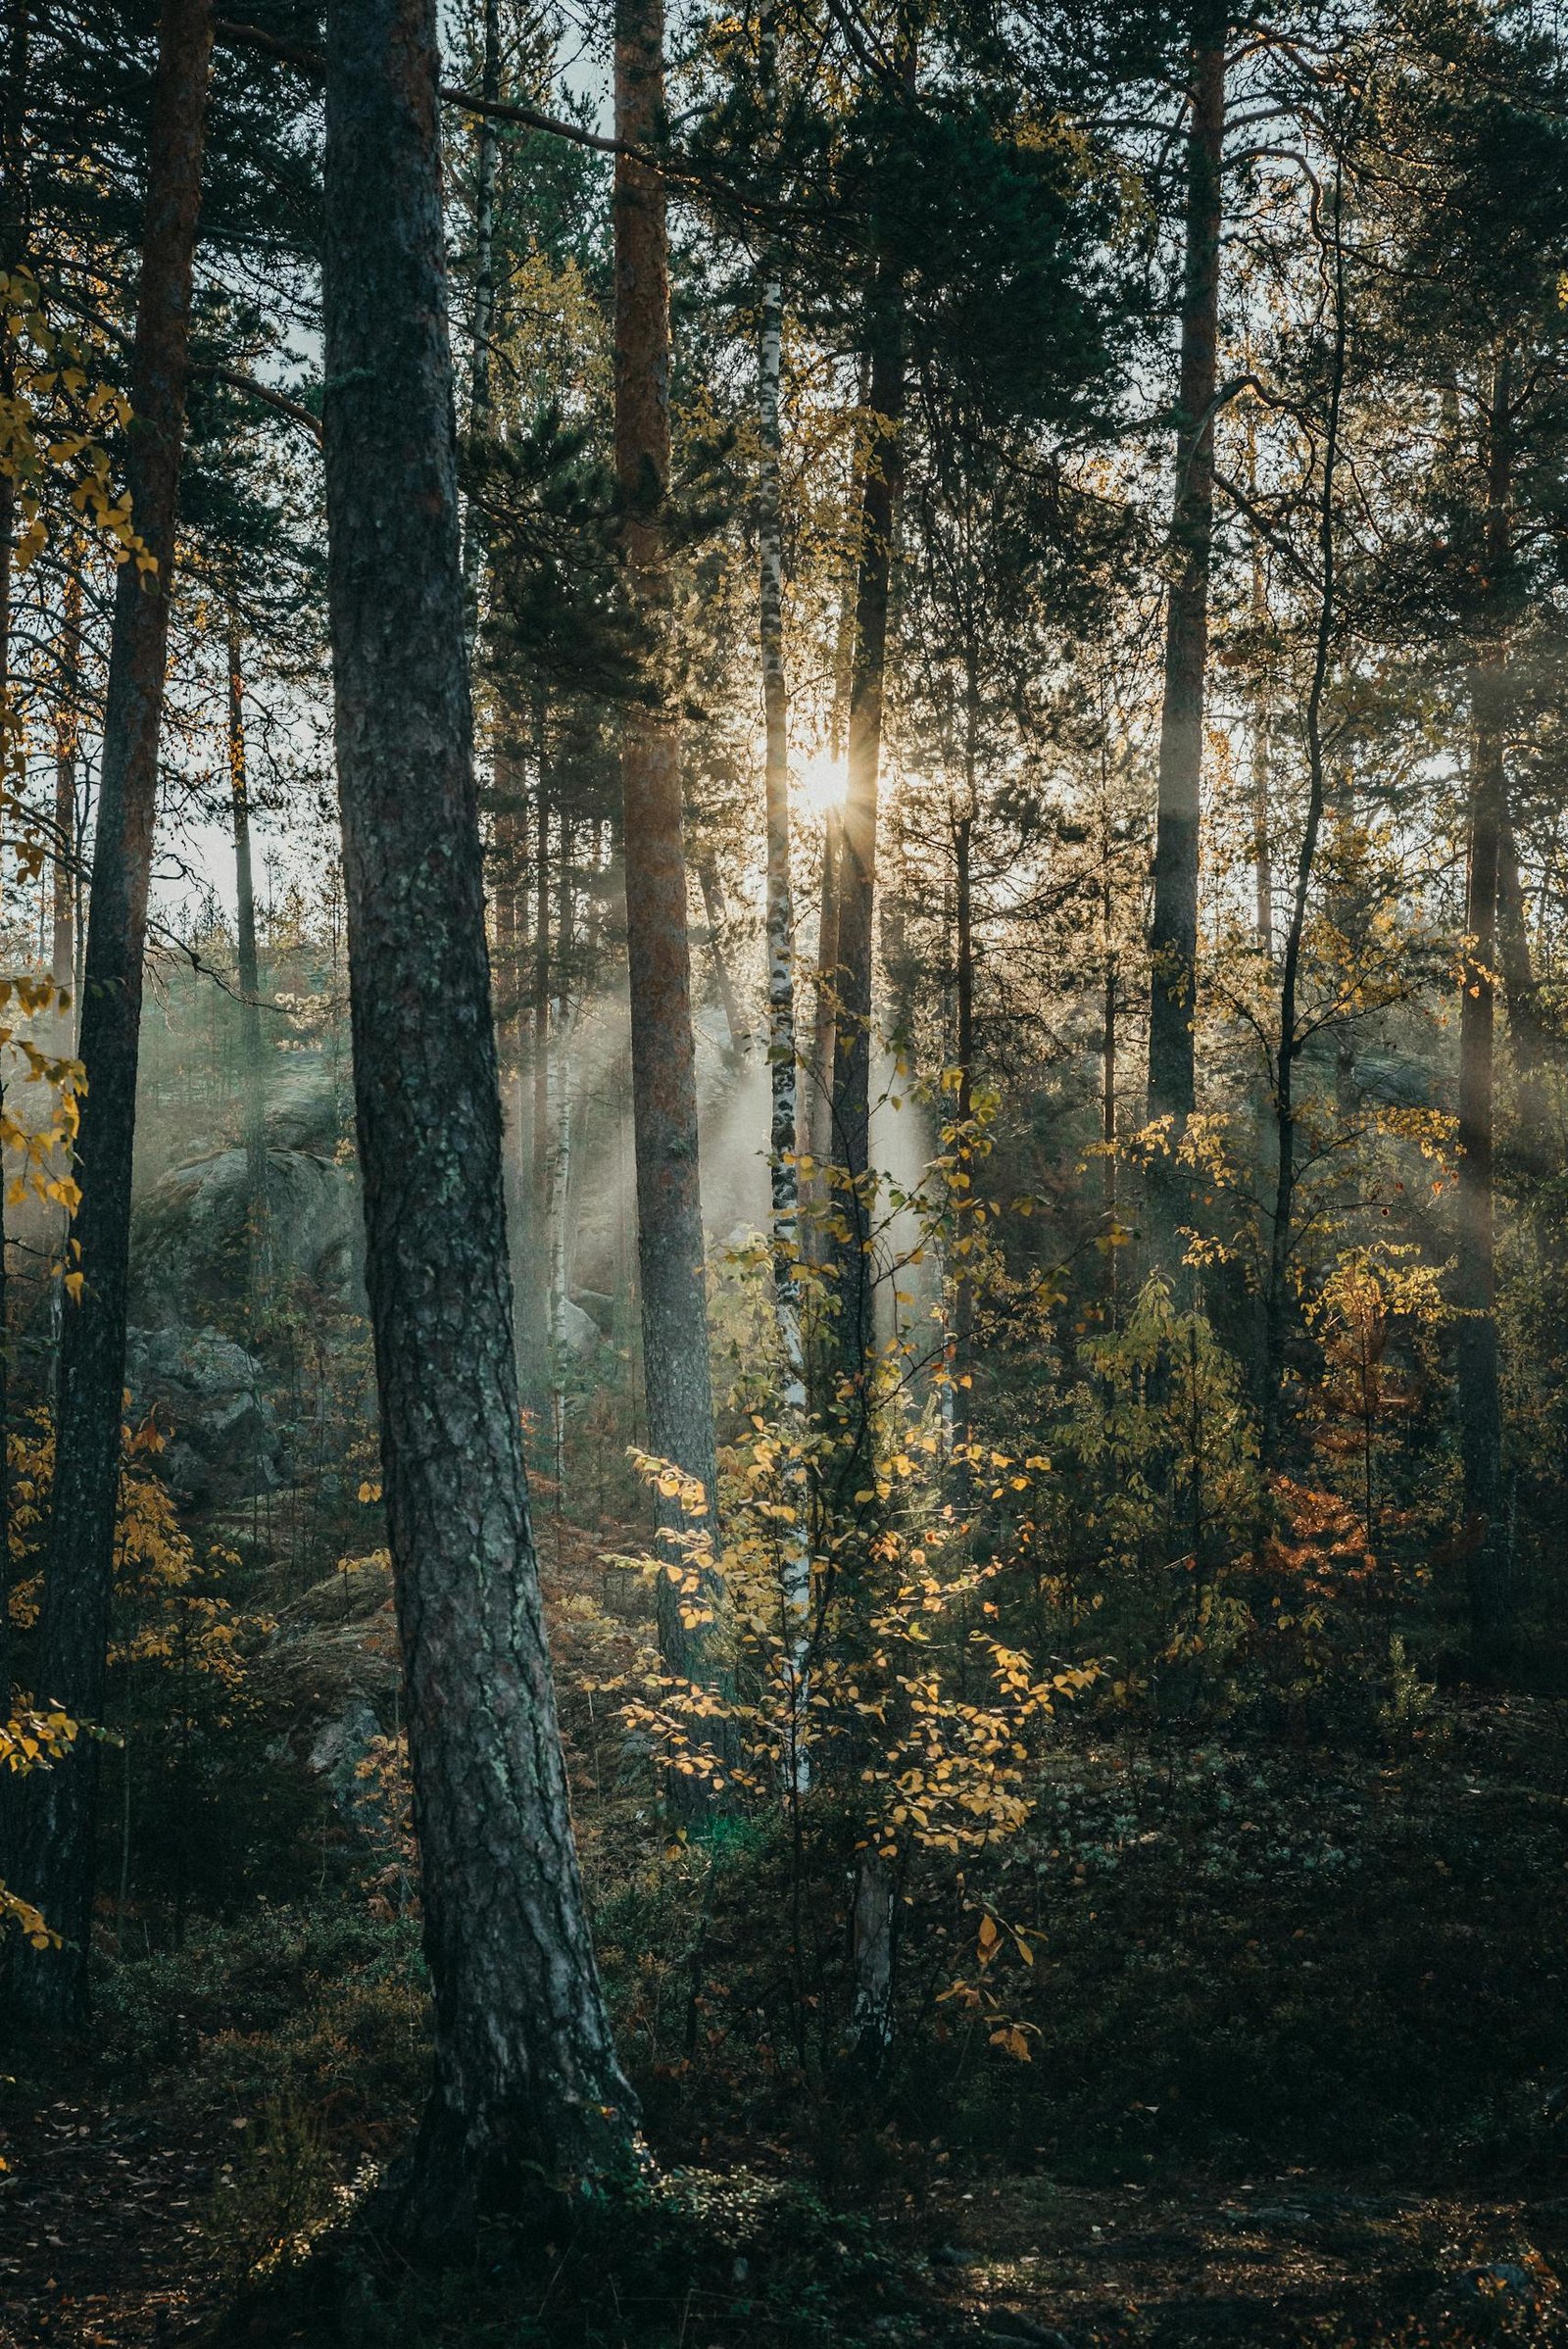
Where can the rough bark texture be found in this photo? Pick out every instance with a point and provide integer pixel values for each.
(857, 875)
(669, 1217)
(1173, 982)
(61, 1804)
(527, 2086)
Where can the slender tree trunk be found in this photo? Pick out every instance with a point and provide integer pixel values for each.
(1173, 982)
(1276, 1299)
(819, 1120)
(669, 1216)
(12, 253)
(68, 737)
(872, 2019)
(527, 2088)
(1476, 1350)
(1531, 1043)
(562, 1033)
(78, 1578)
(484, 299)
(962, 1364)
(535, 1283)
(782, 1052)
(253, 1105)
(857, 843)
(717, 923)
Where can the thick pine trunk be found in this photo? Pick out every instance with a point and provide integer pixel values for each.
(1173, 943)
(669, 1216)
(854, 941)
(527, 2092)
(78, 1578)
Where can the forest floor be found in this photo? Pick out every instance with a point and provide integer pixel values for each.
(106, 2242)
(1301, 2054)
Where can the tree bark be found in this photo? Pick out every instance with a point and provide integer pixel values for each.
(67, 736)
(669, 1216)
(484, 298)
(527, 2087)
(962, 1364)
(717, 913)
(1477, 1396)
(78, 1578)
(856, 859)
(1276, 1296)
(252, 1107)
(1173, 980)
(782, 1055)
(819, 1119)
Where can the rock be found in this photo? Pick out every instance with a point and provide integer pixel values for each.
(1498, 2280)
(207, 1391)
(190, 1227)
(580, 1333)
(599, 1308)
(329, 1677)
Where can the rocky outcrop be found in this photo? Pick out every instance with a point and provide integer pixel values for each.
(207, 1392)
(330, 1675)
(190, 1231)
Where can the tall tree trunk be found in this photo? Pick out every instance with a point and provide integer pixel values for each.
(13, 255)
(1478, 1398)
(963, 1363)
(78, 1576)
(484, 298)
(717, 913)
(669, 1215)
(1531, 1042)
(527, 2087)
(782, 1053)
(857, 874)
(535, 1283)
(563, 1034)
(1173, 980)
(1276, 1296)
(819, 1119)
(68, 738)
(873, 1913)
(253, 1105)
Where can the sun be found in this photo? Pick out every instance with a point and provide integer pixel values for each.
(820, 781)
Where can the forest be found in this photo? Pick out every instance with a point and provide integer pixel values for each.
(784, 1216)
